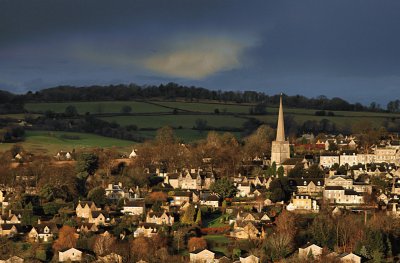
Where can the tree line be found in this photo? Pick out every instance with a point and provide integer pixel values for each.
(173, 91)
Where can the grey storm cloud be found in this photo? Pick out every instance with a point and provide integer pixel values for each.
(336, 48)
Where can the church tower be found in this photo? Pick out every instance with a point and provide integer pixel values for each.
(280, 147)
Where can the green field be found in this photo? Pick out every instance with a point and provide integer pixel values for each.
(155, 114)
(96, 107)
(52, 142)
(184, 121)
(208, 107)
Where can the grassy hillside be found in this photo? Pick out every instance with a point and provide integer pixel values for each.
(151, 115)
(184, 121)
(52, 142)
(95, 107)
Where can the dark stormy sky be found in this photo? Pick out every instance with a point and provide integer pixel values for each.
(348, 48)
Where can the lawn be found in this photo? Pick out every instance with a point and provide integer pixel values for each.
(214, 219)
(217, 243)
(52, 142)
(207, 107)
(96, 107)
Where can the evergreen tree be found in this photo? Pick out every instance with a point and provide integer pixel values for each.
(198, 217)
(364, 252)
(389, 251)
(188, 216)
(223, 206)
(224, 187)
(280, 172)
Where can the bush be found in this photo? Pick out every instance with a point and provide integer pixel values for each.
(215, 230)
(41, 254)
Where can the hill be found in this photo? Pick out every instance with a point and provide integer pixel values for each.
(134, 113)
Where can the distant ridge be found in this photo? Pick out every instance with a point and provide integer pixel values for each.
(173, 91)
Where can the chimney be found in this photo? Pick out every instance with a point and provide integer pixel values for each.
(38, 221)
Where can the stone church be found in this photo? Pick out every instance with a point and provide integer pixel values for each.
(280, 147)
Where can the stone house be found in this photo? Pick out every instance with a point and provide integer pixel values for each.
(302, 202)
(349, 258)
(249, 259)
(86, 228)
(308, 186)
(340, 195)
(8, 230)
(160, 218)
(245, 230)
(210, 200)
(146, 230)
(135, 207)
(42, 232)
(85, 208)
(310, 250)
(202, 256)
(10, 218)
(99, 218)
(244, 189)
(180, 197)
(115, 191)
(71, 254)
(327, 161)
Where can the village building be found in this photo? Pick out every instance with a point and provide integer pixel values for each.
(99, 218)
(310, 251)
(42, 232)
(308, 186)
(280, 147)
(245, 230)
(210, 200)
(84, 209)
(71, 254)
(14, 259)
(160, 218)
(8, 230)
(202, 256)
(349, 258)
(86, 228)
(114, 191)
(136, 207)
(327, 161)
(249, 259)
(302, 202)
(146, 230)
(179, 198)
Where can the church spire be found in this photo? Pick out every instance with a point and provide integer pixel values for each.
(280, 130)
